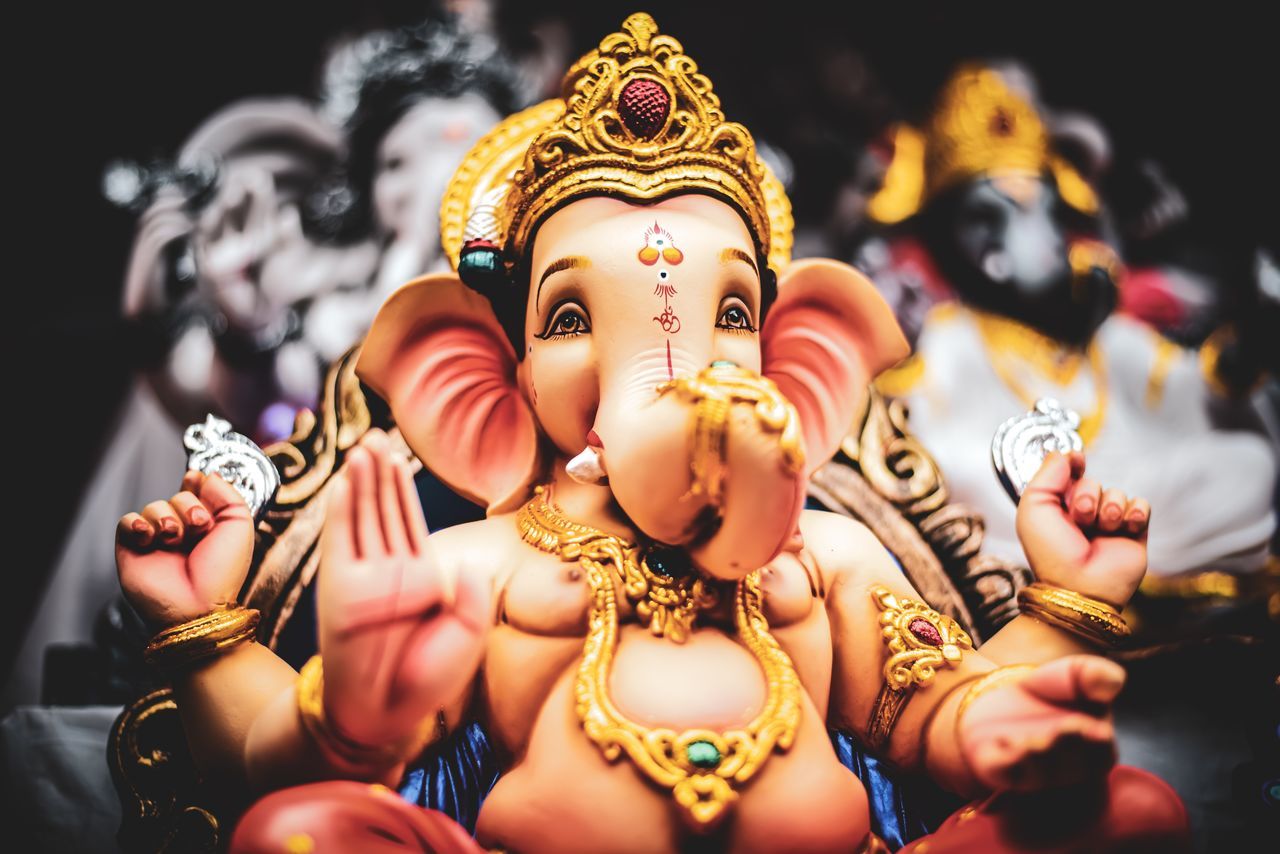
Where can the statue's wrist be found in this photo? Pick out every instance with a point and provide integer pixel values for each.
(1093, 621)
(341, 750)
(198, 641)
(989, 681)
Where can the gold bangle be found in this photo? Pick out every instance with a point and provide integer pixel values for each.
(204, 637)
(987, 682)
(1088, 619)
(920, 640)
(329, 739)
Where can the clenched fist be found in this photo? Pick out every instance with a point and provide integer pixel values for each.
(1080, 536)
(182, 558)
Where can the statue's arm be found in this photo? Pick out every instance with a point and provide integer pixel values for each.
(855, 566)
(402, 626)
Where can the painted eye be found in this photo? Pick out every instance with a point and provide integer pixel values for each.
(565, 324)
(659, 242)
(735, 318)
(663, 275)
(569, 323)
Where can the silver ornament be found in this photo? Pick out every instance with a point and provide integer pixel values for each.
(1021, 443)
(214, 449)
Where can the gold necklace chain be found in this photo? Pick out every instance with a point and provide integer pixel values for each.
(1004, 338)
(701, 767)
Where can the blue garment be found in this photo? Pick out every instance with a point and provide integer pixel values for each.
(891, 819)
(455, 777)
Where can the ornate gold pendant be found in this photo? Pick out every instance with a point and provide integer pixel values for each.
(702, 768)
(666, 593)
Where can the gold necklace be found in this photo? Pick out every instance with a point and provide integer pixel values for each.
(1003, 338)
(701, 767)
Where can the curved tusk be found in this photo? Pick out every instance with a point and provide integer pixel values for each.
(587, 467)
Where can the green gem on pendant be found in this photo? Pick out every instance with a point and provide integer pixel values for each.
(703, 754)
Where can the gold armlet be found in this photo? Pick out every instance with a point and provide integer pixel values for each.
(180, 646)
(346, 749)
(1088, 619)
(1211, 360)
(920, 640)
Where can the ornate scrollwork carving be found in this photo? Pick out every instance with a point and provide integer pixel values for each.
(885, 478)
(164, 807)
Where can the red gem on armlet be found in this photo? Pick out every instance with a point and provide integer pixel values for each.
(925, 632)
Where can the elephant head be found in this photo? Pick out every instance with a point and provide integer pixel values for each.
(622, 299)
(1004, 242)
(999, 208)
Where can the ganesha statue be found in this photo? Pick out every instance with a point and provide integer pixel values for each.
(655, 635)
(1006, 221)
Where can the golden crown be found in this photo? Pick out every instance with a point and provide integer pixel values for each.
(636, 120)
(979, 127)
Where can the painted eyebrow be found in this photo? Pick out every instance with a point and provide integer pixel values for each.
(571, 262)
(728, 255)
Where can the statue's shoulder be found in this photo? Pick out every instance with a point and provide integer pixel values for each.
(483, 546)
(841, 546)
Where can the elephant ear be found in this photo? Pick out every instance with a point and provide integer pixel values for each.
(438, 356)
(827, 335)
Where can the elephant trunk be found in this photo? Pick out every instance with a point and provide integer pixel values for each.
(691, 468)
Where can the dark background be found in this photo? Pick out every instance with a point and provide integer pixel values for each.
(1192, 85)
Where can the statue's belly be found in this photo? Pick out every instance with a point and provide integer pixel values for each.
(564, 796)
(707, 682)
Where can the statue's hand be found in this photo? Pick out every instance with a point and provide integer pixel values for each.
(182, 558)
(400, 638)
(1080, 536)
(1050, 728)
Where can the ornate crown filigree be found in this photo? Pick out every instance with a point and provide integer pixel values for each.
(637, 121)
(979, 127)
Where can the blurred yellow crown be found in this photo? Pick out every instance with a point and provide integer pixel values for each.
(637, 121)
(978, 128)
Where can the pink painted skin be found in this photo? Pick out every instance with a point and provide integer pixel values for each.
(180, 559)
(1080, 536)
(1054, 726)
(389, 615)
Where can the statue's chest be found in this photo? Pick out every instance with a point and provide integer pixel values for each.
(547, 596)
(544, 610)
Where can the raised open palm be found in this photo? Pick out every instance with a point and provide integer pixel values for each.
(400, 637)
(182, 558)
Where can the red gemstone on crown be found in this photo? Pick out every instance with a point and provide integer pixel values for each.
(1001, 123)
(643, 105)
(925, 632)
